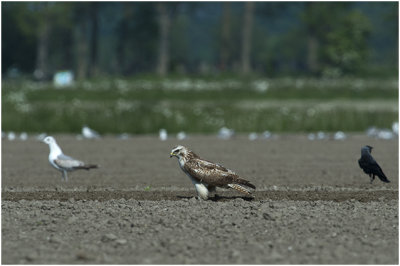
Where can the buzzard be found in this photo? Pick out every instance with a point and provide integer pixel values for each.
(370, 166)
(206, 175)
(62, 162)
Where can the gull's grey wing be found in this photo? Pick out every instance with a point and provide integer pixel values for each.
(68, 163)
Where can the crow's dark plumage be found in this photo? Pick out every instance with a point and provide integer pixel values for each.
(370, 166)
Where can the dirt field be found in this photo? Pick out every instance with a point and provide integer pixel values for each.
(313, 204)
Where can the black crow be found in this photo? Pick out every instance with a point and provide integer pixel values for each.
(370, 166)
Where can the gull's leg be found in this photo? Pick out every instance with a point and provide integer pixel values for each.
(65, 176)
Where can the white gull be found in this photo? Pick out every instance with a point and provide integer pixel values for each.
(62, 162)
(89, 133)
(162, 134)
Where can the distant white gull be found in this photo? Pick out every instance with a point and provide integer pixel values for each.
(163, 135)
(181, 135)
(266, 134)
(372, 131)
(380, 133)
(395, 128)
(11, 136)
(62, 162)
(253, 136)
(385, 134)
(41, 136)
(124, 136)
(23, 136)
(226, 133)
(321, 135)
(89, 133)
(339, 135)
(311, 136)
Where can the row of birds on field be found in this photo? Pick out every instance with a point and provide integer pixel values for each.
(205, 175)
(224, 133)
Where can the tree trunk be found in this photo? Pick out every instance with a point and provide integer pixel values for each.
(94, 68)
(122, 38)
(41, 70)
(81, 50)
(312, 54)
(163, 48)
(246, 37)
(225, 50)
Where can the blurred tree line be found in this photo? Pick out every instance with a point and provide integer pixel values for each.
(268, 38)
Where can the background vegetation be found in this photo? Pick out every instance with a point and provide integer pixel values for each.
(199, 66)
(201, 105)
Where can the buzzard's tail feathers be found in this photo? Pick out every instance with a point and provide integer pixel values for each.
(239, 188)
(245, 183)
(250, 185)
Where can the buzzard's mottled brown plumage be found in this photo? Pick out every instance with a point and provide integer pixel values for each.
(213, 174)
(209, 173)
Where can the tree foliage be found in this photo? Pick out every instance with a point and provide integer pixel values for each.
(123, 38)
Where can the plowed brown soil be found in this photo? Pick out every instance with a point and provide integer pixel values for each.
(313, 204)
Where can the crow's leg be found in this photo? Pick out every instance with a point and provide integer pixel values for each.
(371, 177)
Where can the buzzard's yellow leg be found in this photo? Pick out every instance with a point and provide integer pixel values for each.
(211, 188)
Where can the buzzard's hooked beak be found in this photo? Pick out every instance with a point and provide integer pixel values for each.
(171, 154)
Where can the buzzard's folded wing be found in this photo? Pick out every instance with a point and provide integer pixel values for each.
(210, 165)
(211, 173)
